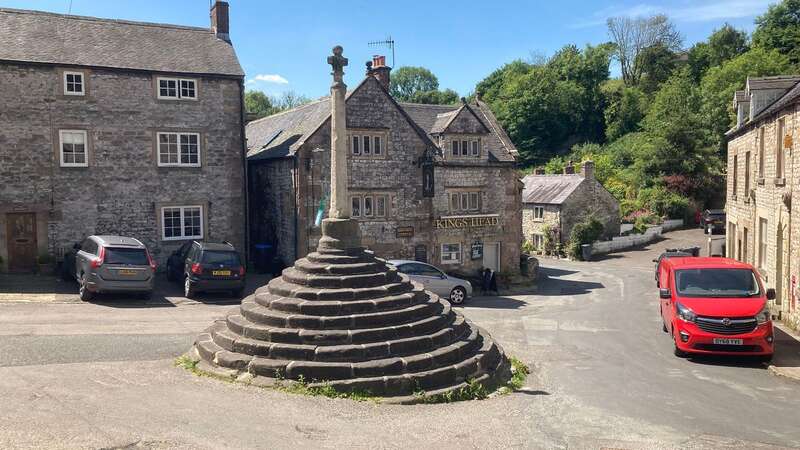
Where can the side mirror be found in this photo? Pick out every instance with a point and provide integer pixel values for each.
(76, 246)
(664, 293)
(655, 260)
(770, 294)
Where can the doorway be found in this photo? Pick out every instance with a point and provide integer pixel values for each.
(491, 256)
(21, 232)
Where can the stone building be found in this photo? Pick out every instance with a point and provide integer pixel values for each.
(427, 182)
(555, 203)
(762, 171)
(117, 127)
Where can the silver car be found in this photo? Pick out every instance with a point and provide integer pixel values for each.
(111, 264)
(454, 289)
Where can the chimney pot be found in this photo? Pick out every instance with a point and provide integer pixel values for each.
(219, 20)
(538, 171)
(569, 169)
(378, 69)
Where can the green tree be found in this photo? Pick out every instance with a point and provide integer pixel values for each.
(257, 104)
(625, 108)
(779, 29)
(657, 63)
(407, 81)
(719, 84)
(724, 44)
(632, 36)
(445, 97)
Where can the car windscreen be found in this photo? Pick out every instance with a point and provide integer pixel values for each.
(715, 282)
(128, 256)
(225, 258)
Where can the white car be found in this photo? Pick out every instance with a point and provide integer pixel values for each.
(454, 289)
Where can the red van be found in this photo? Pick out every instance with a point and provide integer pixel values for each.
(715, 306)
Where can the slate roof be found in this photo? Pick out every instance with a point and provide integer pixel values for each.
(40, 37)
(280, 135)
(773, 82)
(791, 96)
(549, 189)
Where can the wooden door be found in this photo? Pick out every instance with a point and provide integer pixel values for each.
(491, 256)
(21, 242)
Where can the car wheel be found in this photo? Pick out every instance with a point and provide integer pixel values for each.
(83, 289)
(188, 289)
(458, 295)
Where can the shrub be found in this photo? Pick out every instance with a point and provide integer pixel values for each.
(527, 247)
(584, 232)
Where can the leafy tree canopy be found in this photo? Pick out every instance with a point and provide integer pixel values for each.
(258, 104)
(406, 81)
(724, 44)
(779, 29)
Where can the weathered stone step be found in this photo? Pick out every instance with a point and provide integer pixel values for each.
(450, 339)
(243, 327)
(259, 314)
(292, 275)
(355, 268)
(329, 259)
(485, 362)
(281, 288)
(460, 353)
(338, 308)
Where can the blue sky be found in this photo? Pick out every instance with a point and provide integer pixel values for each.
(282, 45)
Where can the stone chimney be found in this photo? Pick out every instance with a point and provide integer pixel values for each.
(569, 169)
(378, 69)
(588, 169)
(219, 20)
(538, 171)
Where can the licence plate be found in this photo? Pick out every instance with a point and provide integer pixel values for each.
(726, 341)
(127, 272)
(221, 272)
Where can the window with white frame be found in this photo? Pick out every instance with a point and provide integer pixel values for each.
(74, 83)
(177, 88)
(538, 213)
(538, 241)
(73, 148)
(367, 145)
(451, 253)
(369, 206)
(181, 222)
(179, 149)
(465, 201)
(465, 148)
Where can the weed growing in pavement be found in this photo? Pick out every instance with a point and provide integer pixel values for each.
(472, 390)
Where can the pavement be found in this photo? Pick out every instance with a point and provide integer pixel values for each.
(101, 375)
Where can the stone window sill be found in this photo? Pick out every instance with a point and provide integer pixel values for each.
(760, 181)
(747, 200)
(780, 181)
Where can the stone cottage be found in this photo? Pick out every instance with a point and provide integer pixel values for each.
(117, 127)
(427, 182)
(762, 171)
(555, 203)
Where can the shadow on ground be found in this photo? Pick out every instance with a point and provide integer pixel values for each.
(551, 284)
(494, 303)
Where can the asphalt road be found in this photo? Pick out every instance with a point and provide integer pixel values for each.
(96, 375)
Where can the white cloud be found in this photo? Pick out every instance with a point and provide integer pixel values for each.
(687, 11)
(268, 78)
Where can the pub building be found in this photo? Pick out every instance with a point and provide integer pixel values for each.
(433, 183)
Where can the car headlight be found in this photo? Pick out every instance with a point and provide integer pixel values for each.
(763, 315)
(685, 314)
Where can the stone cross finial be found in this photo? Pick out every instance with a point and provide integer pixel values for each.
(337, 62)
(340, 206)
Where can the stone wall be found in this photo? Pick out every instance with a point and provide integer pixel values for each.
(590, 198)
(744, 210)
(120, 191)
(407, 230)
(550, 220)
(271, 202)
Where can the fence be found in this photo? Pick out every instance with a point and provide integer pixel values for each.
(632, 240)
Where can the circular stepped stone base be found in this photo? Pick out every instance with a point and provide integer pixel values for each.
(343, 318)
